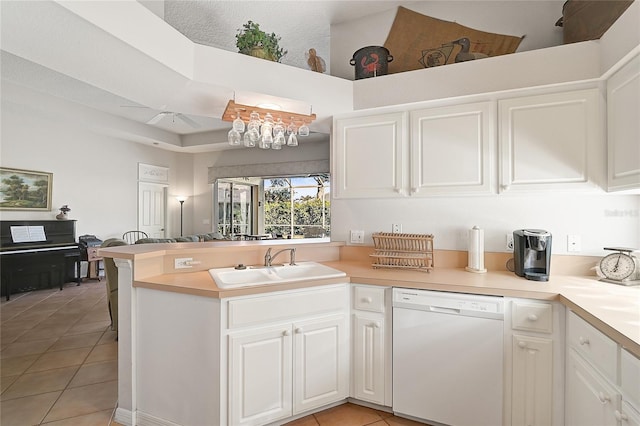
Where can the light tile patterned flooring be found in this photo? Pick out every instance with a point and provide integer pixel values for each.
(59, 364)
(58, 357)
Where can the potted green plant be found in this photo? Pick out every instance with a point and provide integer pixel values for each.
(251, 40)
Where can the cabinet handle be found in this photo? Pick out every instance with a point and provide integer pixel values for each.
(532, 317)
(583, 340)
(506, 187)
(286, 333)
(522, 344)
(367, 300)
(603, 398)
(299, 330)
(621, 417)
(375, 324)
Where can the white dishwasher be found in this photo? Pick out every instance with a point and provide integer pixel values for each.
(448, 357)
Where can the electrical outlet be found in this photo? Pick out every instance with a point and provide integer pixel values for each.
(574, 243)
(396, 228)
(509, 245)
(183, 262)
(357, 237)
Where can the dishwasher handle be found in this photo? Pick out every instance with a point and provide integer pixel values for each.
(442, 310)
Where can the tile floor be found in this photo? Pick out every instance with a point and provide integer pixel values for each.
(59, 367)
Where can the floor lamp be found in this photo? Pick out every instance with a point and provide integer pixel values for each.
(181, 199)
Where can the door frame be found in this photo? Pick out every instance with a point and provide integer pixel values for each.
(165, 190)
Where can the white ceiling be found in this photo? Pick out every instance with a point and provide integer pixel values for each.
(212, 23)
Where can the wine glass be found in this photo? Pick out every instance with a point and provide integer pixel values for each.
(279, 140)
(278, 127)
(233, 137)
(238, 124)
(292, 140)
(248, 140)
(303, 130)
(291, 128)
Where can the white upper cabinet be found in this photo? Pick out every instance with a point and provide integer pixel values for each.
(551, 141)
(623, 130)
(452, 149)
(368, 156)
(449, 151)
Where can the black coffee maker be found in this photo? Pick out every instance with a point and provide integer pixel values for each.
(532, 254)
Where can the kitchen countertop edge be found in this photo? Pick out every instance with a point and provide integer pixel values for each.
(585, 295)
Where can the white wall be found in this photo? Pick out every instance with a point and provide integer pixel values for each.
(94, 173)
(601, 220)
(535, 19)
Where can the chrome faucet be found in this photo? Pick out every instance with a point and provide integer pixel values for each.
(268, 258)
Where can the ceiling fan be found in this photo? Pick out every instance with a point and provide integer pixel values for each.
(158, 117)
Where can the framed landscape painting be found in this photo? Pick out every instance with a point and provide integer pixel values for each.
(25, 189)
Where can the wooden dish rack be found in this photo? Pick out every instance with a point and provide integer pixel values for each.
(403, 251)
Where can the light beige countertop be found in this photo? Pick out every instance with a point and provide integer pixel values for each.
(611, 308)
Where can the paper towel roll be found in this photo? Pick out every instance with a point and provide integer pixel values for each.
(476, 250)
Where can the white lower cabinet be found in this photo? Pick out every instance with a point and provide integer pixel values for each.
(371, 344)
(320, 362)
(532, 381)
(368, 358)
(602, 378)
(535, 359)
(591, 399)
(628, 416)
(299, 363)
(260, 369)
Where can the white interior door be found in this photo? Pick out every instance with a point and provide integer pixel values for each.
(152, 207)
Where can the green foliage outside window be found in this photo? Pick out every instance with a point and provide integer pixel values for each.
(310, 215)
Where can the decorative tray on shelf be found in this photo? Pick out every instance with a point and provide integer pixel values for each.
(404, 251)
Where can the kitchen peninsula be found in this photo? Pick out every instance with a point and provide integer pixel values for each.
(182, 313)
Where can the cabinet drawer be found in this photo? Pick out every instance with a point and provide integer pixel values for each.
(278, 307)
(630, 377)
(367, 298)
(92, 254)
(530, 316)
(593, 345)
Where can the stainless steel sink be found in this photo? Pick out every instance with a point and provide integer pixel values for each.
(263, 275)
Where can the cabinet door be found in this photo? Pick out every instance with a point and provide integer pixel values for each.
(369, 156)
(628, 416)
(260, 376)
(590, 400)
(623, 127)
(552, 141)
(368, 358)
(452, 149)
(321, 362)
(532, 376)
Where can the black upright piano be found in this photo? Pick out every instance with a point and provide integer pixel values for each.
(36, 254)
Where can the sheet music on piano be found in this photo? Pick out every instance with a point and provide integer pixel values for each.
(28, 234)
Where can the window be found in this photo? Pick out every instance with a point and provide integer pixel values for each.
(235, 208)
(297, 207)
(281, 207)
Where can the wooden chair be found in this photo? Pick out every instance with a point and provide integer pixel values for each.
(132, 236)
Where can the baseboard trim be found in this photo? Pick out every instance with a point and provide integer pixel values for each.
(149, 420)
(123, 416)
